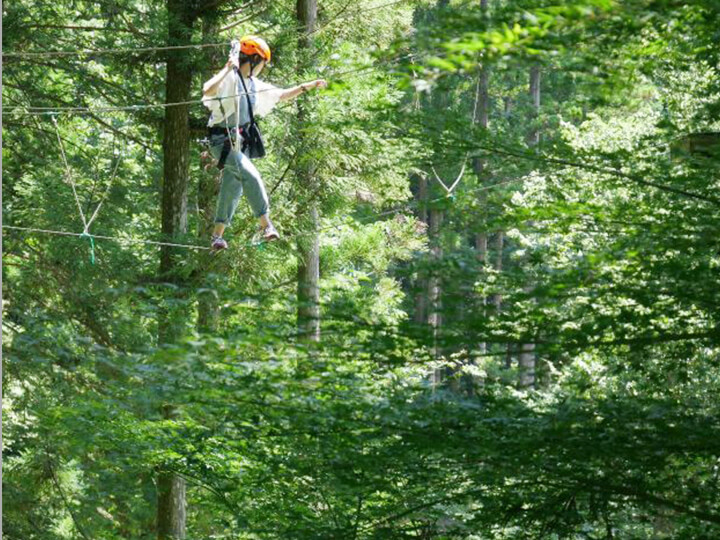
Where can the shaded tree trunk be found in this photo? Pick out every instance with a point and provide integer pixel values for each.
(434, 290)
(527, 350)
(498, 246)
(171, 510)
(482, 99)
(208, 187)
(171, 513)
(308, 276)
(176, 137)
(171, 506)
(420, 307)
(534, 135)
(480, 169)
(527, 365)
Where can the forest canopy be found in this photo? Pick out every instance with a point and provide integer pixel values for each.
(492, 311)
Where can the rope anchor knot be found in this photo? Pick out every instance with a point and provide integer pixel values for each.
(87, 235)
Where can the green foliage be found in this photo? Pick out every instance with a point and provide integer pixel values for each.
(602, 253)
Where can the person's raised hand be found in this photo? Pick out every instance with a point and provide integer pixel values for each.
(319, 83)
(232, 62)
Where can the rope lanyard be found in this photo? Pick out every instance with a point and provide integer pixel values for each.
(452, 187)
(69, 176)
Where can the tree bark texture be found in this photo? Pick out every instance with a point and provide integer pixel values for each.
(308, 276)
(439, 101)
(171, 514)
(176, 137)
(499, 247)
(176, 159)
(534, 135)
(171, 506)
(483, 108)
(420, 307)
(527, 365)
(434, 290)
(527, 350)
(479, 167)
(482, 98)
(208, 187)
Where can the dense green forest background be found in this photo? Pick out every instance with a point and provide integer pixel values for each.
(492, 313)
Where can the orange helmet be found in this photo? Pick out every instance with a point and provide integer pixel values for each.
(251, 45)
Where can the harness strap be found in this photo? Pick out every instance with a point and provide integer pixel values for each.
(216, 130)
(227, 145)
(227, 142)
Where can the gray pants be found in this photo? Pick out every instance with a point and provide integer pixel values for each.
(238, 176)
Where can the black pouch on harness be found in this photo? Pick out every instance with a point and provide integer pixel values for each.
(253, 145)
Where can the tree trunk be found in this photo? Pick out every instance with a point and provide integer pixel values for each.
(482, 99)
(527, 350)
(171, 511)
(308, 277)
(534, 135)
(499, 247)
(208, 187)
(176, 138)
(479, 167)
(421, 283)
(171, 506)
(171, 502)
(434, 290)
(435, 287)
(527, 365)
(308, 291)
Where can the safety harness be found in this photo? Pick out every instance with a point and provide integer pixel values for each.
(239, 131)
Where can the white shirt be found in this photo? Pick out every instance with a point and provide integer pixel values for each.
(266, 96)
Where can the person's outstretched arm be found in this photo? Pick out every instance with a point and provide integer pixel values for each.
(295, 91)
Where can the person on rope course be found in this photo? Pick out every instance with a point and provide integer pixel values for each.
(234, 96)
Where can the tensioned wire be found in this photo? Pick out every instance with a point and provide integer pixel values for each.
(103, 237)
(53, 111)
(398, 209)
(46, 110)
(90, 52)
(205, 248)
(50, 111)
(57, 110)
(89, 110)
(336, 17)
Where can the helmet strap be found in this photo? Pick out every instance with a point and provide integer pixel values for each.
(254, 62)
